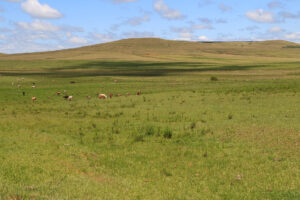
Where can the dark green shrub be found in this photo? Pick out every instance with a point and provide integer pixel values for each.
(168, 133)
(213, 78)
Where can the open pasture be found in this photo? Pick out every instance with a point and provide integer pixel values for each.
(203, 128)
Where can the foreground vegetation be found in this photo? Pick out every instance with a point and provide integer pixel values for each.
(203, 128)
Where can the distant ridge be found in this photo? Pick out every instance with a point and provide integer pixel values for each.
(160, 49)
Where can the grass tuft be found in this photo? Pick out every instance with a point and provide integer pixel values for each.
(168, 133)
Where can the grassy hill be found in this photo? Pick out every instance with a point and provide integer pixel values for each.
(154, 49)
(215, 120)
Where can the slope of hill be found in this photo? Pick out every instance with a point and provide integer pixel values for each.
(154, 49)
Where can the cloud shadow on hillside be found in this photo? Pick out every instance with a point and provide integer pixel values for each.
(104, 68)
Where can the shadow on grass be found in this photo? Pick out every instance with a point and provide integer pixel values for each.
(101, 68)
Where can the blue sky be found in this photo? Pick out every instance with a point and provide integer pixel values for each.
(42, 25)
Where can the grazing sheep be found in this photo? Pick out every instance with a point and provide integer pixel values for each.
(115, 81)
(70, 98)
(88, 97)
(33, 99)
(139, 93)
(33, 86)
(102, 96)
(58, 93)
(65, 96)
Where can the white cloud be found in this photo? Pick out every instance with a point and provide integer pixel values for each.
(25, 47)
(201, 26)
(275, 4)
(137, 34)
(203, 38)
(188, 33)
(186, 36)
(166, 12)
(24, 41)
(102, 37)
(39, 36)
(292, 36)
(224, 8)
(221, 21)
(203, 3)
(205, 20)
(78, 40)
(37, 10)
(210, 21)
(135, 21)
(260, 16)
(275, 29)
(286, 15)
(38, 25)
(3, 37)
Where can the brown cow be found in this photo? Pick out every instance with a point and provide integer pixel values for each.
(34, 99)
(102, 96)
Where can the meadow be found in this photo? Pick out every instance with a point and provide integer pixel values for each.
(216, 124)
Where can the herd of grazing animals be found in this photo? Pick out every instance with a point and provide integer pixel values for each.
(70, 98)
(100, 96)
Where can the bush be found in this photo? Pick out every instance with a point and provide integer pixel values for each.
(213, 78)
(168, 133)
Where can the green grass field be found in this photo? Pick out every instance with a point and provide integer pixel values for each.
(214, 121)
